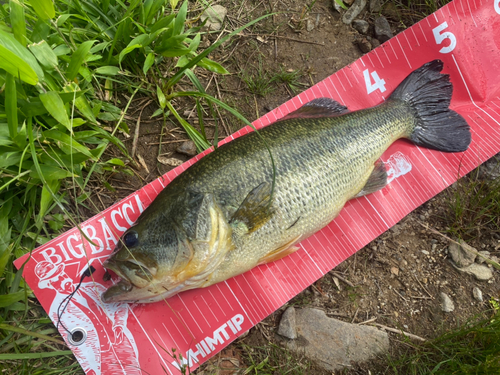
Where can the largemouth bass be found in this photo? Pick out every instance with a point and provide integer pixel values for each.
(233, 210)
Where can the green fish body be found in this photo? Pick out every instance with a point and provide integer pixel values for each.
(237, 207)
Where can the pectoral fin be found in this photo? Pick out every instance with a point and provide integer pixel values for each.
(280, 252)
(377, 180)
(255, 210)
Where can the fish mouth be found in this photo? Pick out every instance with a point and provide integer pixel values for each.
(116, 292)
(126, 291)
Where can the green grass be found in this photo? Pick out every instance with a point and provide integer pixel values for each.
(473, 348)
(291, 79)
(273, 360)
(473, 207)
(78, 67)
(260, 82)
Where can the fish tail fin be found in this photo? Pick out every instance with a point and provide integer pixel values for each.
(428, 93)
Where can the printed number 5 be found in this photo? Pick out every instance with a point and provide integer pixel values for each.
(440, 37)
(378, 85)
(497, 6)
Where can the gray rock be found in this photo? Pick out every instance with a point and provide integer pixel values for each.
(215, 17)
(309, 25)
(478, 295)
(333, 344)
(479, 271)
(375, 42)
(375, 6)
(287, 327)
(382, 29)
(364, 45)
(187, 148)
(337, 6)
(355, 9)
(463, 254)
(481, 259)
(361, 26)
(446, 303)
(491, 168)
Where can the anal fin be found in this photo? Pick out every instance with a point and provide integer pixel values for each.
(377, 180)
(280, 252)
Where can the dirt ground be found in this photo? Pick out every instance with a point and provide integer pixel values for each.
(395, 280)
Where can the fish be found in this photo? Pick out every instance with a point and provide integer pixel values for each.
(252, 200)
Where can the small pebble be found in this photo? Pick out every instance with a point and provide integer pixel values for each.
(481, 259)
(446, 303)
(478, 295)
(187, 148)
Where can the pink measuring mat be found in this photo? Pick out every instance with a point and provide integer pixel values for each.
(137, 339)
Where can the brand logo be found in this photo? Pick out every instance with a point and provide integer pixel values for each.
(208, 344)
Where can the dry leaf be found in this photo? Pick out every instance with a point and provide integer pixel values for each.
(173, 162)
(143, 162)
(395, 271)
(262, 40)
(336, 281)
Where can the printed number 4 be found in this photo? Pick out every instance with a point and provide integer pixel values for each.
(379, 84)
(441, 37)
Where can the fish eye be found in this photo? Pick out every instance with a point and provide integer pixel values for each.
(131, 239)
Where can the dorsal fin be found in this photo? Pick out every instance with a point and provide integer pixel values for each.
(377, 180)
(320, 107)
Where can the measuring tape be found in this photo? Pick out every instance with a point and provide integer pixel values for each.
(123, 338)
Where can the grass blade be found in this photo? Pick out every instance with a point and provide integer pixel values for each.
(9, 299)
(44, 8)
(44, 54)
(12, 356)
(180, 19)
(54, 104)
(11, 104)
(172, 81)
(200, 142)
(18, 21)
(78, 58)
(18, 61)
(23, 331)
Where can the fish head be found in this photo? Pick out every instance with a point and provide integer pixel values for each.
(169, 250)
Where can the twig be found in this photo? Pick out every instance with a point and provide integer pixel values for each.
(423, 287)
(355, 315)
(256, 106)
(344, 280)
(317, 289)
(420, 297)
(368, 321)
(136, 132)
(394, 330)
(468, 248)
(399, 294)
(284, 37)
(217, 109)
